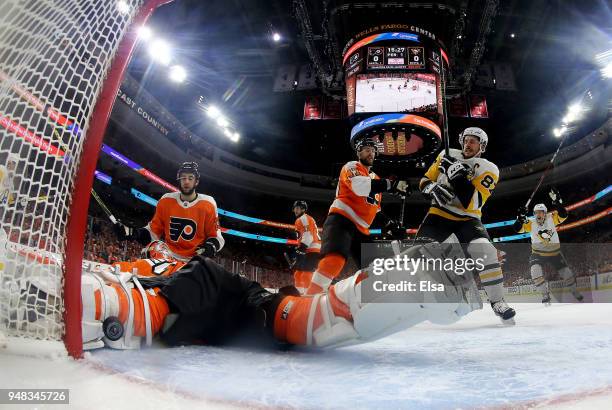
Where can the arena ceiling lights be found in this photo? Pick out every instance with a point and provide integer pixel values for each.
(214, 113)
(604, 61)
(574, 113)
(160, 51)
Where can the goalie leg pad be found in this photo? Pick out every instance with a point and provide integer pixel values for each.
(378, 318)
(140, 312)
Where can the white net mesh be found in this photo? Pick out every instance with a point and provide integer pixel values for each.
(54, 57)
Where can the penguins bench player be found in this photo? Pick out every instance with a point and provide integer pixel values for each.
(459, 186)
(202, 302)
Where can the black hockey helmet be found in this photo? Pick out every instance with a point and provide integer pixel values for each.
(188, 168)
(366, 142)
(301, 204)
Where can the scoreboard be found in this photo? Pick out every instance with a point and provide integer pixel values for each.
(393, 91)
(394, 58)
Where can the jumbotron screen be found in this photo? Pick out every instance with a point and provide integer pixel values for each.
(396, 92)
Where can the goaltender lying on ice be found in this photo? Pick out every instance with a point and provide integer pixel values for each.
(204, 303)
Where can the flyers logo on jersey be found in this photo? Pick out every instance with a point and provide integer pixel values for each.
(182, 228)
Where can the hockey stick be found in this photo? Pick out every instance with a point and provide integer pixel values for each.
(104, 207)
(402, 211)
(548, 168)
(445, 138)
(290, 262)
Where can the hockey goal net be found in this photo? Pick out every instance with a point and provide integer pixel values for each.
(61, 63)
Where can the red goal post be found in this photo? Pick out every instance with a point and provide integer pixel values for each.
(61, 64)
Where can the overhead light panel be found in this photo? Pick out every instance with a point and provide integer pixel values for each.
(145, 33)
(213, 111)
(177, 73)
(123, 7)
(159, 50)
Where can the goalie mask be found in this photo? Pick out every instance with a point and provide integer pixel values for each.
(156, 250)
(478, 133)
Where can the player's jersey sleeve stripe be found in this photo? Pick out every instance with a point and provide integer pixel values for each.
(154, 236)
(349, 211)
(485, 191)
(360, 185)
(557, 219)
(526, 227)
(307, 238)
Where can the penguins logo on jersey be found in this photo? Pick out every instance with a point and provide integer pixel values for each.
(545, 234)
(182, 228)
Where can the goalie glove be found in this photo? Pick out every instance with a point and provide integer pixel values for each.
(440, 194)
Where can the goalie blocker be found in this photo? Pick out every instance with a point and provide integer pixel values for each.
(205, 303)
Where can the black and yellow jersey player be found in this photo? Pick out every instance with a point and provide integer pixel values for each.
(459, 184)
(545, 244)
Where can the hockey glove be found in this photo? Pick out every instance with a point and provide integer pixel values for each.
(522, 214)
(441, 194)
(396, 231)
(445, 163)
(300, 255)
(123, 231)
(399, 187)
(555, 197)
(458, 171)
(208, 248)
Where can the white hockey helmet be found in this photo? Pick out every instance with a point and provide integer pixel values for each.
(475, 132)
(540, 207)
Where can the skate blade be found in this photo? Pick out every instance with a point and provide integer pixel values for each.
(508, 322)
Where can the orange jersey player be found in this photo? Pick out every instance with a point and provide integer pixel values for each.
(187, 221)
(307, 253)
(358, 197)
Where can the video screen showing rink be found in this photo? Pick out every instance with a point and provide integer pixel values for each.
(408, 92)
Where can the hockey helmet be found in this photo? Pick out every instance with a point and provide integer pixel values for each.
(188, 168)
(301, 204)
(540, 207)
(366, 142)
(156, 250)
(475, 132)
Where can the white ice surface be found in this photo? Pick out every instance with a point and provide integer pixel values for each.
(555, 357)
